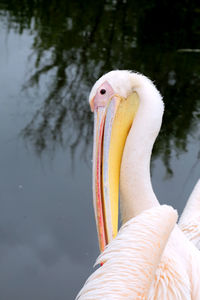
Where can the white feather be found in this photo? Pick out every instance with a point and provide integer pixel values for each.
(130, 261)
(190, 219)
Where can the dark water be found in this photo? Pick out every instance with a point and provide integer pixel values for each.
(51, 53)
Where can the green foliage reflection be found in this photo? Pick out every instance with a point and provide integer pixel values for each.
(75, 42)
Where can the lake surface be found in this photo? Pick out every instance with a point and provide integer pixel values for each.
(51, 53)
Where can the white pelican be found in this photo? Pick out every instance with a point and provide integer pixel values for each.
(128, 113)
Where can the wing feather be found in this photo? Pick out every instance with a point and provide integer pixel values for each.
(131, 259)
(190, 218)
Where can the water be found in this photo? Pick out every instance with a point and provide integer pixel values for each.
(50, 56)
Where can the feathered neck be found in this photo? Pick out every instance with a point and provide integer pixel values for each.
(136, 192)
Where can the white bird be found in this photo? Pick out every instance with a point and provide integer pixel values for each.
(128, 113)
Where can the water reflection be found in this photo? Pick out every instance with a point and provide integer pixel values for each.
(76, 42)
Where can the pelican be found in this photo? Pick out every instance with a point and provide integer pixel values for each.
(128, 112)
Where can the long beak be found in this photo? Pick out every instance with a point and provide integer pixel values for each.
(111, 126)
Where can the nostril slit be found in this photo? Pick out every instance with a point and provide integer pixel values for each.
(102, 91)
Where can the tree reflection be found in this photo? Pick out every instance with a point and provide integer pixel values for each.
(76, 42)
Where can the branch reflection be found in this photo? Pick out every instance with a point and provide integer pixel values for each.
(76, 42)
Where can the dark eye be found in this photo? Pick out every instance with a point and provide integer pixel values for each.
(102, 91)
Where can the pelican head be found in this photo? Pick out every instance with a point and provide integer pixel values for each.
(122, 102)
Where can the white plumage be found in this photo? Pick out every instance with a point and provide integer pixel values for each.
(130, 260)
(178, 273)
(190, 218)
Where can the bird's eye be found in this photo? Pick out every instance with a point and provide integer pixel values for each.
(102, 91)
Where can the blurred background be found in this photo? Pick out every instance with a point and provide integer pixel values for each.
(51, 53)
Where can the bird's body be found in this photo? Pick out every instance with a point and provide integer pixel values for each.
(123, 275)
(177, 275)
(178, 272)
